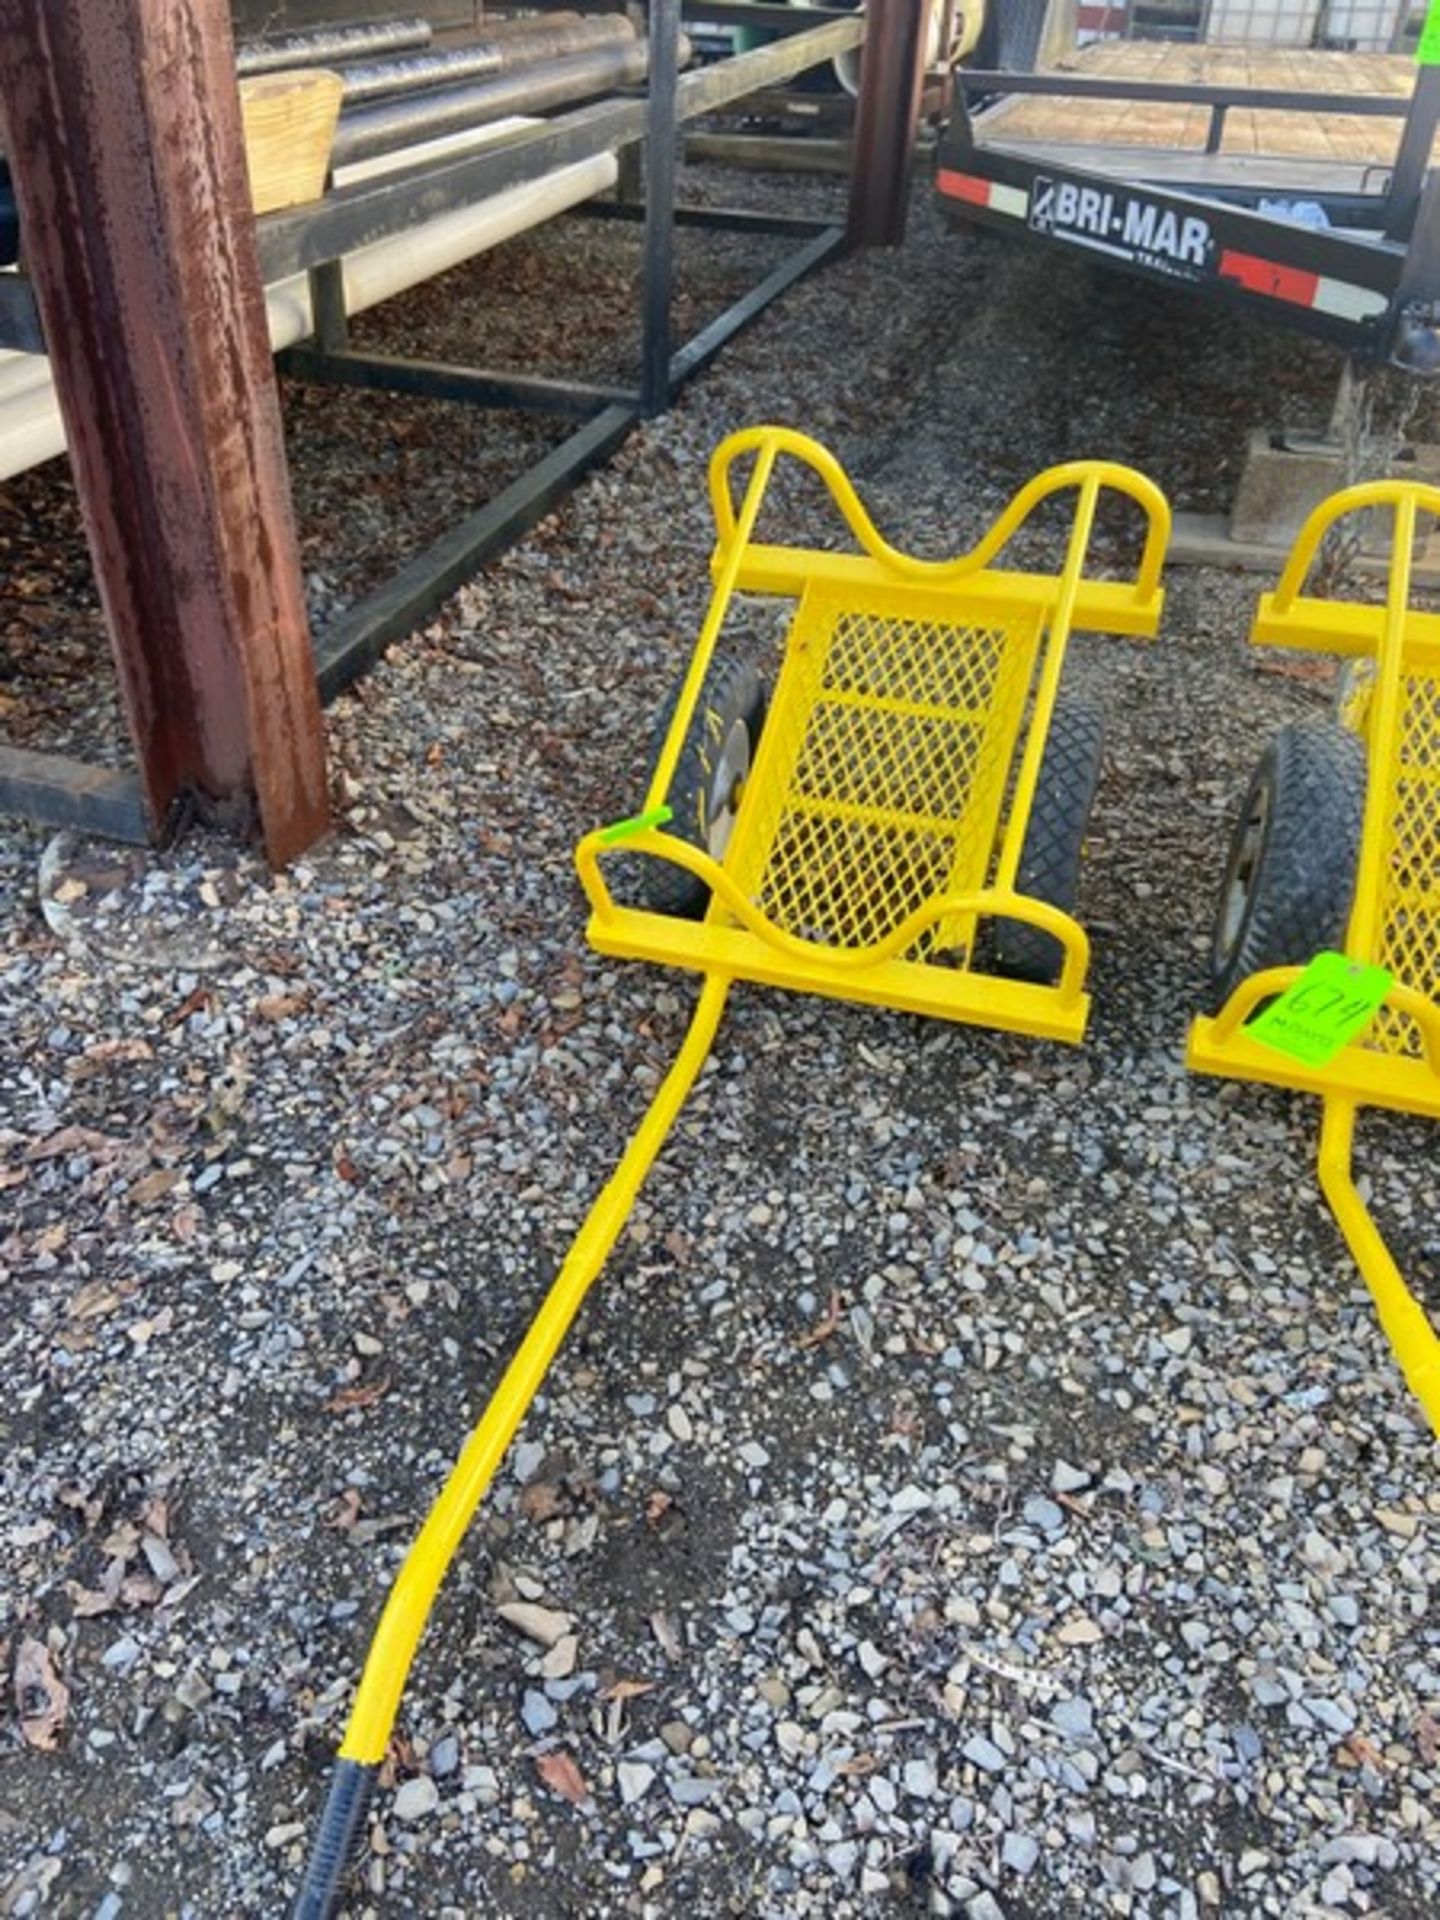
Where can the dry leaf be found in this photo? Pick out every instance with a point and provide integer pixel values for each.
(345, 1512)
(562, 1776)
(628, 1689)
(42, 1699)
(71, 1140)
(656, 1507)
(154, 1186)
(281, 1006)
(1363, 1752)
(823, 1328)
(663, 1629)
(106, 1053)
(93, 1301)
(540, 1500)
(1427, 1737)
(362, 1396)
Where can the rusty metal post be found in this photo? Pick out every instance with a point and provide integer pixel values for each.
(124, 138)
(892, 75)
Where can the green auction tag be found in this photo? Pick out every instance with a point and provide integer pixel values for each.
(1427, 53)
(637, 823)
(1332, 1003)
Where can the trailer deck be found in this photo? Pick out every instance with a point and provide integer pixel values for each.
(1111, 125)
(1295, 183)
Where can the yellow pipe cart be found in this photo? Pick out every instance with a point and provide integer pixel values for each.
(1338, 845)
(851, 844)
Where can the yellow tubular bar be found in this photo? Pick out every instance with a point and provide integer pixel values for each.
(1409, 1332)
(710, 631)
(768, 441)
(1363, 939)
(995, 900)
(393, 1648)
(1046, 693)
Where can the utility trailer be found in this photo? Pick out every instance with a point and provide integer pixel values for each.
(1297, 184)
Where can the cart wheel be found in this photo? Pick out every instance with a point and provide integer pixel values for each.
(709, 778)
(1290, 876)
(1054, 840)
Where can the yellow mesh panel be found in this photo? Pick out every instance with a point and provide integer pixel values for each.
(882, 767)
(1410, 911)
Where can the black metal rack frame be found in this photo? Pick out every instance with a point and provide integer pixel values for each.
(59, 791)
(1368, 281)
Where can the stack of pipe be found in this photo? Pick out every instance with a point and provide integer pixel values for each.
(323, 46)
(398, 88)
(392, 103)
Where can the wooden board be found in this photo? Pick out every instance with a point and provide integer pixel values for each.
(289, 130)
(1348, 139)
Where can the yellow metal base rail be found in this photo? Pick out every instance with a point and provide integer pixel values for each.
(1395, 921)
(900, 676)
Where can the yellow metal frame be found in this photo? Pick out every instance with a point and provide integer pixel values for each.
(1396, 916)
(923, 602)
(1018, 624)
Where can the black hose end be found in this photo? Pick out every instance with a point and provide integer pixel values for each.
(341, 1826)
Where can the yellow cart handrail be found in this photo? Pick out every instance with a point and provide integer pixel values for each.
(769, 442)
(996, 900)
(1368, 495)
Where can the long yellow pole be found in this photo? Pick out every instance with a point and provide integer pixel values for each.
(1401, 1316)
(416, 1584)
(387, 1665)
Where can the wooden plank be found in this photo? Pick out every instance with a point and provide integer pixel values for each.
(289, 121)
(125, 145)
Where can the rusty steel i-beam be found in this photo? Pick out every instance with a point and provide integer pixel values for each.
(123, 135)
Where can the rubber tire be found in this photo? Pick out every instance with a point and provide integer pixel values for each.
(732, 692)
(1312, 777)
(1054, 840)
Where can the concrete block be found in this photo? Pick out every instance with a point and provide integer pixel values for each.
(1280, 486)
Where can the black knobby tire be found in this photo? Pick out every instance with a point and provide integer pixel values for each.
(705, 790)
(1290, 874)
(1054, 840)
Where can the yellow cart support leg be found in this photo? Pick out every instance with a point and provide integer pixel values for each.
(387, 1664)
(1401, 1315)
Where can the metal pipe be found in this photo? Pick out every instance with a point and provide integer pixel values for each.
(397, 123)
(319, 46)
(891, 77)
(661, 141)
(501, 55)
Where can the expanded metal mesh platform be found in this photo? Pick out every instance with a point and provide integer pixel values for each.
(881, 781)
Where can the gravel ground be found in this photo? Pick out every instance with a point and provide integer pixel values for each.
(978, 1485)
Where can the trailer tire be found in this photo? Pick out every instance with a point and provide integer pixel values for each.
(1054, 840)
(705, 792)
(1289, 879)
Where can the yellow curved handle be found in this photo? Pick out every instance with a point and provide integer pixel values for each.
(1273, 982)
(987, 901)
(1369, 494)
(773, 440)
